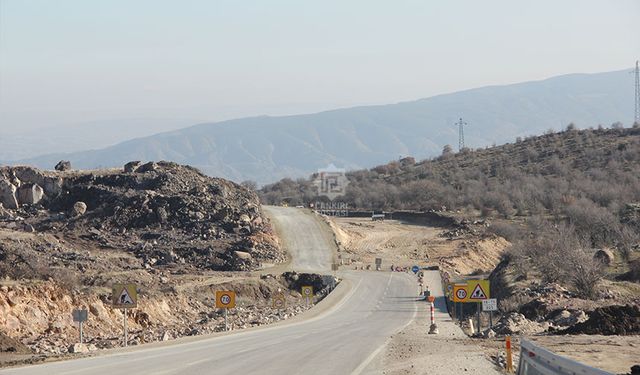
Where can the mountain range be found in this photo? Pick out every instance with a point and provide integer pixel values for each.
(266, 149)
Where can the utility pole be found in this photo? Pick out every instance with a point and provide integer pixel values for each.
(636, 118)
(461, 124)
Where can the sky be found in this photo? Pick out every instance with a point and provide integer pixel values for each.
(73, 61)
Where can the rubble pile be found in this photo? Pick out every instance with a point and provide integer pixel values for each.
(164, 213)
(516, 323)
(609, 320)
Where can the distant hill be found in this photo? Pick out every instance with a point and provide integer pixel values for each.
(17, 143)
(266, 149)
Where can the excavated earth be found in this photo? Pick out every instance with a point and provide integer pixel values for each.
(163, 213)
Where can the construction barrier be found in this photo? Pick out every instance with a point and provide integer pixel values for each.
(535, 360)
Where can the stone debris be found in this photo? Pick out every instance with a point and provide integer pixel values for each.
(63, 165)
(8, 194)
(78, 348)
(164, 213)
(608, 320)
(132, 166)
(29, 194)
(516, 323)
(78, 209)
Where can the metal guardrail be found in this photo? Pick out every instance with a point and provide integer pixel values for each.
(535, 360)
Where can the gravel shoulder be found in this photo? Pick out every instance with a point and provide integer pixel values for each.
(414, 351)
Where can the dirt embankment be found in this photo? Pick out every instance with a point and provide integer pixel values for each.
(36, 315)
(459, 250)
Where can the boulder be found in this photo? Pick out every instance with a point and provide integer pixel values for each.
(78, 348)
(98, 310)
(78, 209)
(8, 194)
(147, 167)
(29, 194)
(63, 165)
(131, 166)
(243, 255)
(165, 336)
(52, 185)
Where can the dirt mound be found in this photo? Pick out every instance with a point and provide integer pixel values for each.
(610, 320)
(163, 213)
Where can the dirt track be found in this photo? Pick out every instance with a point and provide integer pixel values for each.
(399, 244)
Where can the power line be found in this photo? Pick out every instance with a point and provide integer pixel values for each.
(461, 124)
(637, 114)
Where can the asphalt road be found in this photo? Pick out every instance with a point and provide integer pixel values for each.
(308, 240)
(344, 339)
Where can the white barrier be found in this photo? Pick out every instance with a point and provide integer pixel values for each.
(535, 360)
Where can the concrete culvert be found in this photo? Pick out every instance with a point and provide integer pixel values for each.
(606, 256)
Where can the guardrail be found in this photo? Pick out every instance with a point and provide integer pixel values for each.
(535, 360)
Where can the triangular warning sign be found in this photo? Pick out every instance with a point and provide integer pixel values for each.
(478, 293)
(125, 298)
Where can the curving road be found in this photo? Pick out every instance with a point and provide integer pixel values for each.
(344, 339)
(308, 240)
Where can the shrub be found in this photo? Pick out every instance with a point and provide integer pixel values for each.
(507, 231)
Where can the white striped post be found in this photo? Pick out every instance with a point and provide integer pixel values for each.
(433, 328)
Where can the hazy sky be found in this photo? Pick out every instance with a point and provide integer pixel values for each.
(65, 61)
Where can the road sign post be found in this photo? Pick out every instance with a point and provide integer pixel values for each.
(490, 305)
(226, 299)
(307, 294)
(479, 307)
(124, 325)
(378, 264)
(124, 296)
(278, 301)
(80, 316)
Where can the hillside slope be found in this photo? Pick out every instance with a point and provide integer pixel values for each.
(268, 148)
